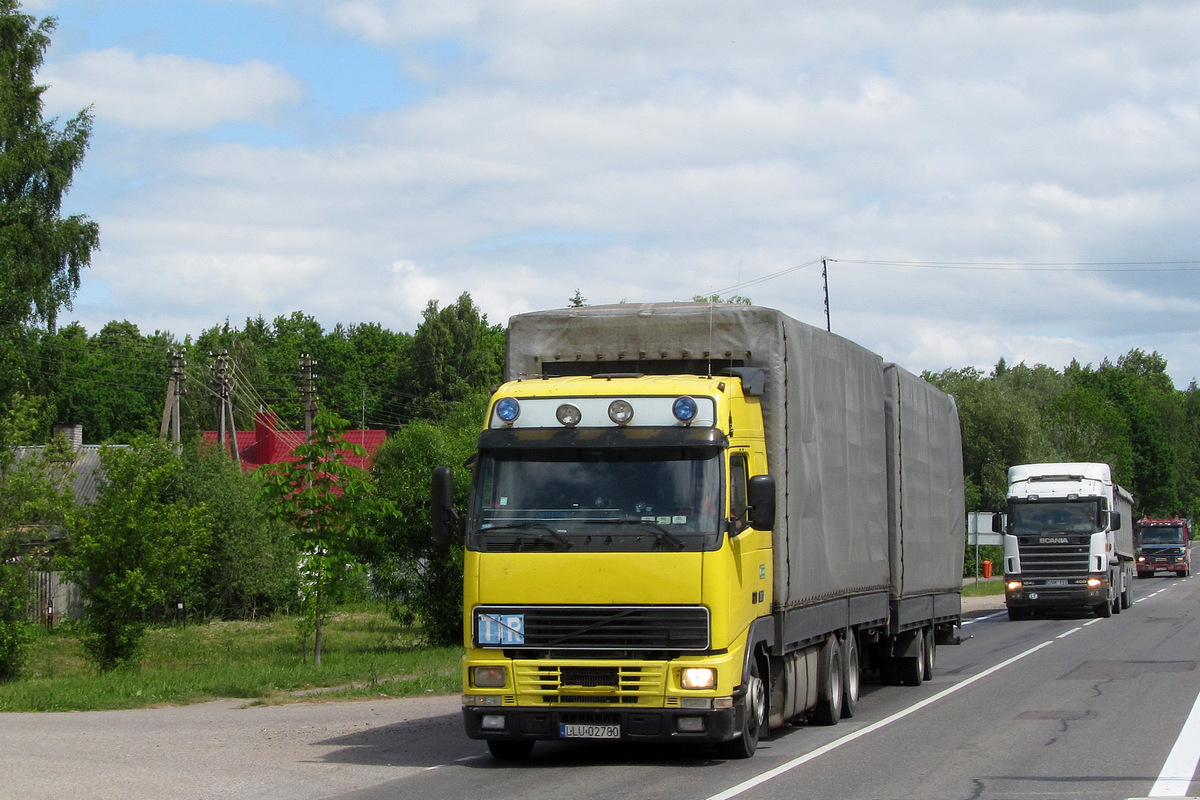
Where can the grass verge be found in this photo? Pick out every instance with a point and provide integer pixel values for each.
(365, 654)
(984, 588)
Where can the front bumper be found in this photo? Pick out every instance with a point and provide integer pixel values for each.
(636, 725)
(1056, 596)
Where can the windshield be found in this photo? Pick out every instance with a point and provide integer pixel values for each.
(1165, 534)
(601, 499)
(1055, 517)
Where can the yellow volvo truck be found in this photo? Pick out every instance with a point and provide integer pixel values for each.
(692, 523)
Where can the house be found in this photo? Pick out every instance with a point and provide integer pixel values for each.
(266, 444)
(52, 598)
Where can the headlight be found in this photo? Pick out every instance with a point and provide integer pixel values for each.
(1094, 582)
(568, 415)
(685, 409)
(489, 677)
(698, 678)
(508, 409)
(1012, 586)
(620, 412)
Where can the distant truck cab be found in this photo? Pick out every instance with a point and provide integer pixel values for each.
(1164, 544)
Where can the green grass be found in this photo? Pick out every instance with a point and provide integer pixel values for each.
(365, 654)
(985, 587)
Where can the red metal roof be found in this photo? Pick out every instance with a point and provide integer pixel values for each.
(266, 444)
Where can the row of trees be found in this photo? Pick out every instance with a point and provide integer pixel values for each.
(1127, 414)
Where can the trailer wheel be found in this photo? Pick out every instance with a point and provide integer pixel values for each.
(829, 683)
(930, 659)
(850, 680)
(753, 720)
(509, 749)
(912, 668)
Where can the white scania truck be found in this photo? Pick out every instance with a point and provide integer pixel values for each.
(1068, 540)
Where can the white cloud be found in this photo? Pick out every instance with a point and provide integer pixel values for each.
(657, 151)
(168, 92)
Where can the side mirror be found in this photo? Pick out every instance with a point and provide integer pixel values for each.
(997, 522)
(760, 495)
(1114, 521)
(441, 509)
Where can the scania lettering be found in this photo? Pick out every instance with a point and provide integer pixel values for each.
(693, 523)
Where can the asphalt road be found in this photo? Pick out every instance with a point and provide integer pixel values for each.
(1066, 707)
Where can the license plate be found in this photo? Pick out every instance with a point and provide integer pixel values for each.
(589, 731)
(1056, 582)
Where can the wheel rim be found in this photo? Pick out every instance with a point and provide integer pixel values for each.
(758, 704)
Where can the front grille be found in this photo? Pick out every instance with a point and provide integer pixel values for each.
(640, 628)
(1057, 559)
(594, 684)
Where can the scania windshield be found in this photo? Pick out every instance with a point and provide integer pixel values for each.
(1067, 516)
(597, 499)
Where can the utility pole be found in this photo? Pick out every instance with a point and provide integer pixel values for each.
(175, 388)
(308, 392)
(825, 280)
(221, 383)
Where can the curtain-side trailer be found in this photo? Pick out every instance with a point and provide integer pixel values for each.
(693, 522)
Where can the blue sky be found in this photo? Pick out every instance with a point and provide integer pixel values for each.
(1014, 180)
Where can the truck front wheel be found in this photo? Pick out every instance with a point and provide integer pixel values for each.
(753, 718)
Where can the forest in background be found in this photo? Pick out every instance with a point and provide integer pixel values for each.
(113, 383)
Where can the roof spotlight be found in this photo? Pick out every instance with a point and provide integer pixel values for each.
(685, 410)
(620, 412)
(568, 415)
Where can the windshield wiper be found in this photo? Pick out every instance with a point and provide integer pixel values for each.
(659, 531)
(531, 524)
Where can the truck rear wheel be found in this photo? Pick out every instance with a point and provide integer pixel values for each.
(850, 680)
(829, 683)
(927, 664)
(912, 668)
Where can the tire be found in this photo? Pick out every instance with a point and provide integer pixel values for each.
(1018, 614)
(1103, 609)
(1116, 604)
(912, 668)
(930, 660)
(510, 749)
(753, 720)
(1127, 597)
(829, 683)
(851, 675)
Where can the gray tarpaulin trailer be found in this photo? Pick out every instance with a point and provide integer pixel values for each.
(867, 456)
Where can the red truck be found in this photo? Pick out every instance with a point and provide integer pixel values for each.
(1163, 544)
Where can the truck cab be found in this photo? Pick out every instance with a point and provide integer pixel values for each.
(1164, 545)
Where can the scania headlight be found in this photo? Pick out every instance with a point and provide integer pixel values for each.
(568, 414)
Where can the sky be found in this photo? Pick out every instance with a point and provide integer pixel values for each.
(973, 181)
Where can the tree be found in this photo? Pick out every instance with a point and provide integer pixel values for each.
(41, 252)
(453, 353)
(249, 567)
(35, 496)
(332, 507)
(138, 546)
(423, 578)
